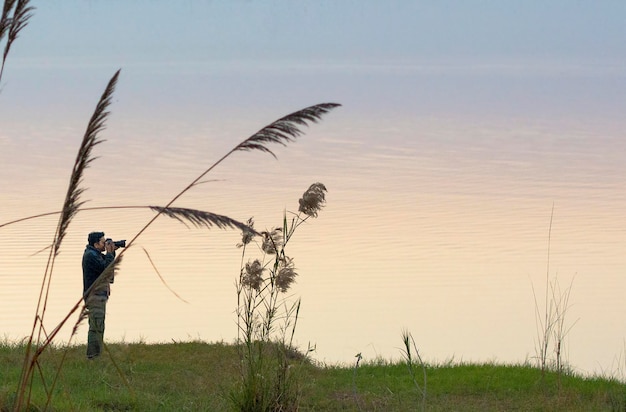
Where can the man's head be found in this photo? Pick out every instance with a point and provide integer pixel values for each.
(96, 239)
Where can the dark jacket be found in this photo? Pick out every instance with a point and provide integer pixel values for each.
(94, 263)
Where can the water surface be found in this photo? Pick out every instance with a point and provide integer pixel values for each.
(448, 185)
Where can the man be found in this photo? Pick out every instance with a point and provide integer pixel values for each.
(94, 263)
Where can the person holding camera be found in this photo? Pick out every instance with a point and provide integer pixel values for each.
(94, 263)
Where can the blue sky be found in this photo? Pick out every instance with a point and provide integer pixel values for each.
(355, 31)
(438, 56)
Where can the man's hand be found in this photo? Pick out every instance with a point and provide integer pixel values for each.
(110, 247)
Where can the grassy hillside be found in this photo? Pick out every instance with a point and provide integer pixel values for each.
(196, 376)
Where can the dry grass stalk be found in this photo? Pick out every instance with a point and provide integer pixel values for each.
(265, 347)
(551, 326)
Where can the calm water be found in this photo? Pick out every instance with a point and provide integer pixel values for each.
(441, 185)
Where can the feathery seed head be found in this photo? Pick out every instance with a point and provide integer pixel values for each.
(272, 241)
(246, 234)
(313, 199)
(253, 275)
(286, 274)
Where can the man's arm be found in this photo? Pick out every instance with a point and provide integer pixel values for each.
(110, 257)
(96, 265)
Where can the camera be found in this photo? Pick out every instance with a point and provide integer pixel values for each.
(117, 243)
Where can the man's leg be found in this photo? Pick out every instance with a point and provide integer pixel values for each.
(95, 337)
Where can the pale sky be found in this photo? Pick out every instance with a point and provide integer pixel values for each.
(347, 30)
(525, 53)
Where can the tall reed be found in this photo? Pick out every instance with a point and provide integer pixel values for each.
(39, 337)
(267, 317)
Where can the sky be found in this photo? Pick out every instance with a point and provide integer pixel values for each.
(206, 43)
(349, 31)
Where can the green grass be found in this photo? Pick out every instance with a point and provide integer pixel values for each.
(196, 376)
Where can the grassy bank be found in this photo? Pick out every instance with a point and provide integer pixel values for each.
(197, 376)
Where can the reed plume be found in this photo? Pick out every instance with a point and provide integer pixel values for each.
(203, 218)
(200, 218)
(285, 129)
(313, 199)
(15, 16)
(5, 19)
(84, 159)
(70, 208)
(281, 131)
